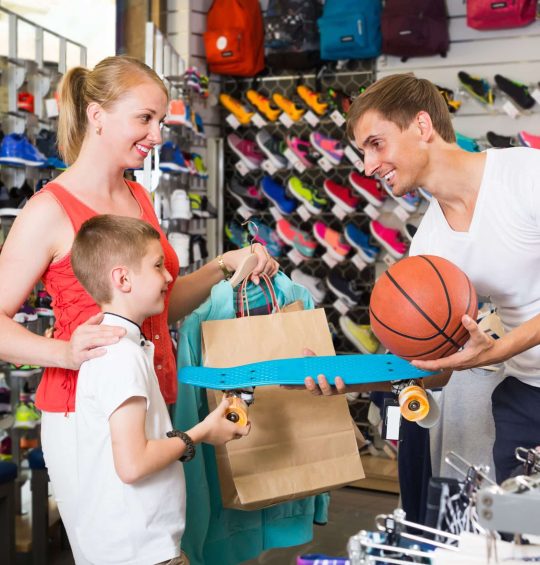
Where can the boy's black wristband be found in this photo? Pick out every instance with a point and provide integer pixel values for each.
(190, 447)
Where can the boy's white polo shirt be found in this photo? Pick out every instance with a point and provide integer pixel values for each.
(141, 523)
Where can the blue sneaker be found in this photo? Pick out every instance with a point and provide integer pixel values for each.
(410, 201)
(425, 194)
(236, 234)
(17, 150)
(266, 236)
(467, 143)
(199, 126)
(360, 241)
(275, 192)
(171, 158)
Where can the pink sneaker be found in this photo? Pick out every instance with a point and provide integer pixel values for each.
(296, 238)
(328, 146)
(302, 149)
(529, 140)
(247, 151)
(388, 238)
(369, 188)
(331, 240)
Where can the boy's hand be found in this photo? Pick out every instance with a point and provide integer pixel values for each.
(217, 430)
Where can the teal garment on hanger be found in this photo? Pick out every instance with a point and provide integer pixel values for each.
(215, 534)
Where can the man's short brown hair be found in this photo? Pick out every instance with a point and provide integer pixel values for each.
(104, 241)
(398, 99)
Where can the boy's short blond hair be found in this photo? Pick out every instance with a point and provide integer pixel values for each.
(398, 99)
(104, 241)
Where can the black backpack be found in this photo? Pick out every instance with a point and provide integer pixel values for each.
(291, 34)
(415, 28)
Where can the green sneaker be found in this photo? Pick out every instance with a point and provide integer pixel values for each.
(308, 195)
(26, 416)
(359, 335)
(200, 166)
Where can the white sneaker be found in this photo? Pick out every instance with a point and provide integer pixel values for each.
(180, 244)
(313, 284)
(180, 205)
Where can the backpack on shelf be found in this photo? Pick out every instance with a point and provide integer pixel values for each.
(292, 38)
(500, 14)
(234, 38)
(350, 29)
(415, 28)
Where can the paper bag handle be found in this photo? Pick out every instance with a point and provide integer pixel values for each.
(242, 297)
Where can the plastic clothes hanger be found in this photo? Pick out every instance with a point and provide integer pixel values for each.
(247, 266)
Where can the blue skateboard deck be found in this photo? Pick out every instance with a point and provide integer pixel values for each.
(353, 369)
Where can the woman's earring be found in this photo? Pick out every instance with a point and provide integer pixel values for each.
(98, 130)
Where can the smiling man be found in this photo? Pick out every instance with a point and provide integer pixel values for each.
(485, 218)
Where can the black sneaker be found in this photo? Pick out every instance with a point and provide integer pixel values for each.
(348, 290)
(410, 231)
(518, 92)
(197, 248)
(448, 96)
(273, 148)
(501, 141)
(477, 87)
(247, 194)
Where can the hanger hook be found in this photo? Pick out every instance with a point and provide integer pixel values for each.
(255, 230)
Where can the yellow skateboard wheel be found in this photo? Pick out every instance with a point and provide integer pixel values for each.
(237, 411)
(413, 403)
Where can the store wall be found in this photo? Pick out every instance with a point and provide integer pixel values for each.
(513, 53)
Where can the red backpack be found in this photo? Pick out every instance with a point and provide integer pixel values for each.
(234, 38)
(499, 14)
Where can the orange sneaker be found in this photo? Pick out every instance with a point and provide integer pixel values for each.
(288, 106)
(264, 105)
(236, 108)
(311, 98)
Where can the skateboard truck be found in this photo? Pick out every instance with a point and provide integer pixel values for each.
(239, 402)
(412, 398)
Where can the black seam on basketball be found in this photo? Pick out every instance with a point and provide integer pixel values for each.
(448, 302)
(420, 311)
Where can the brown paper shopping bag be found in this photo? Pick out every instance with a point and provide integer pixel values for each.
(299, 444)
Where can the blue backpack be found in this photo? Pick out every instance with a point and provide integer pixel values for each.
(350, 29)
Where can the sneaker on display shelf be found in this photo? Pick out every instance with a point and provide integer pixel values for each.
(47, 144)
(452, 104)
(177, 114)
(276, 193)
(408, 202)
(288, 106)
(425, 194)
(342, 195)
(302, 149)
(43, 304)
(312, 99)
(263, 105)
(248, 194)
(360, 335)
(296, 238)
(331, 240)
(410, 231)
(501, 141)
(198, 125)
(180, 205)
(360, 241)
(26, 313)
(529, 140)
(25, 102)
(518, 92)
(327, 146)
(198, 250)
(265, 235)
(200, 166)
(349, 291)
(389, 238)
(314, 285)
(201, 207)
(308, 195)
(246, 150)
(236, 108)
(467, 143)
(180, 243)
(368, 188)
(339, 100)
(236, 234)
(27, 415)
(477, 87)
(171, 159)
(23, 370)
(273, 148)
(17, 150)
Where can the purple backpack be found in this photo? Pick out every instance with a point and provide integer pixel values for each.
(415, 28)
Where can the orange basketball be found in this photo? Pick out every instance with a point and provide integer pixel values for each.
(416, 307)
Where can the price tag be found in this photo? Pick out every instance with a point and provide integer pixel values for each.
(341, 307)
(339, 212)
(269, 167)
(337, 118)
(285, 120)
(258, 120)
(304, 213)
(401, 213)
(289, 154)
(330, 260)
(299, 166)
(295, 256)
(241, 167)
(511, 110)
(325, 164)
(536, 94)
(51, 108)
(354, 158)
(371, 211)
(275, 213)
(389, 260)
(232, 121)
(245, 212)
(359, 263)
(311, 119)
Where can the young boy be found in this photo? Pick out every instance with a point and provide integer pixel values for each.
(131, 485)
